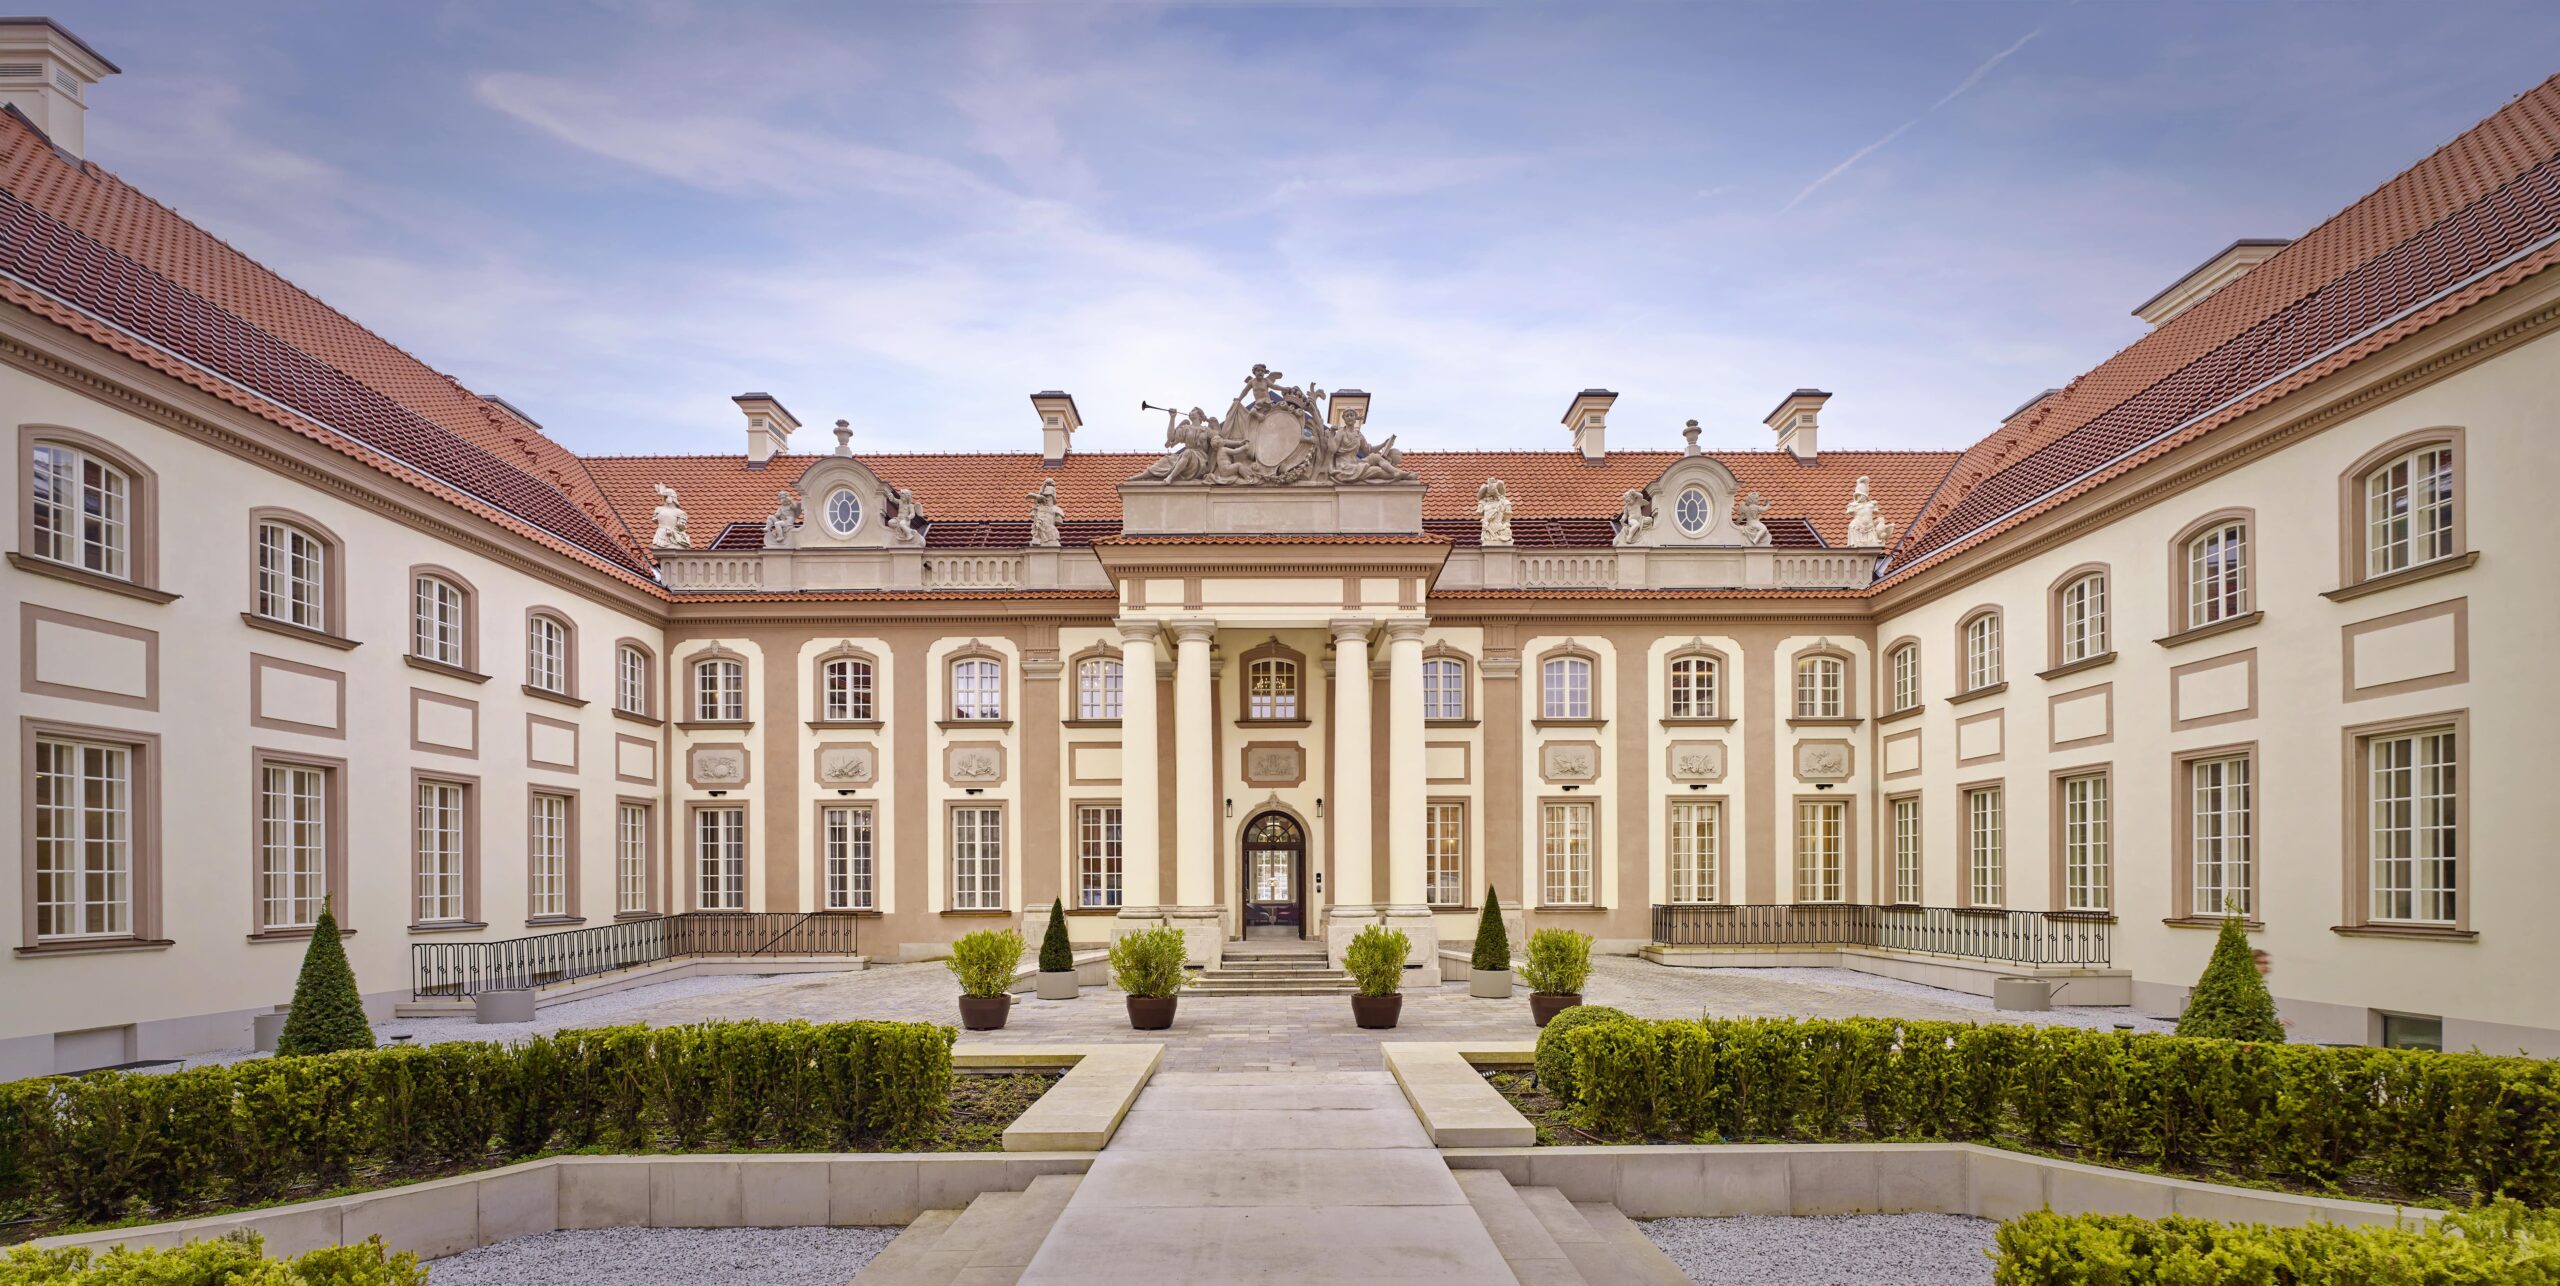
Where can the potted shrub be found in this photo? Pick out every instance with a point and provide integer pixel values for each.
(1375, 959)
(1489, 978)
(1148, 965)
(984, 962)
(1559, 963)
(1057, 957)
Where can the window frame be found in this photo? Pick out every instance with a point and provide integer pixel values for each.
(2355, 553)
(1972, 678)
(1434, 810)
(141, 547)
(2184, 849)
(333, 839)
(1437, 658)
(331, 581)
(1975, 893)
(694, 666)
(2065, 841)
(466, 626)
(695, 813)
(1281, 659)
(865, 711)
(1813, 659)
(623, 651)
(1101, 687)
(986, 832)
(2359, 802)
(1549, 808)
(1846, 837)
(2184, 550)
(466, 857)
(1713, 660)
(650, 843)
(1896, 672)
(567, 911)
(143, 852)
(1101, 860)
(1705, 885)
(861, 883)
(1567, 656)
(2095, 630)
(990, 665)
(1910, 879)
(534, 619)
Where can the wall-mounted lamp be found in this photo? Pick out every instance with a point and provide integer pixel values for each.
(1231, 809)
(1570, 789)
(973, 790)
(1822, 785)
(846, 791)
(718, 794)
(1319, 808)
(1697, 785)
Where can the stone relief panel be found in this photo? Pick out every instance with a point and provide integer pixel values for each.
(1569, 761)
(1822, 760)
(1274, 763)
(1696, 761)
(843, 767)
(973, 764)
(716, 767)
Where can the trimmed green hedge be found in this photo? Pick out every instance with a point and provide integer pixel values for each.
(2502, 1243)
(109, 1145)
(2410, 1121)
(236, 1260)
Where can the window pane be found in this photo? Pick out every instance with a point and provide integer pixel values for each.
(1906, 851)
(720, 859)
(547, 856)
(2220, 838)
(547, 666)
(631, 681)
(2217, 575)
(720, 691)
(289, 576)
(437, 630)
(1566, 688)
(846, 688)
(1098, 689)
(1982, 652)
(1444, 693)
(1565, 854)
(1098, 856)
(1696, 850)
(2084, 619)
(1693, 687)
(977, 859)
(1821, 688)
(848, 851)
(2085, 843)
(631, 858)
(977, 689)
(1985, 844)
(83, 828)
(292, 850)
(2415, 847)
(1271, 690)
(79, 508)
(1906, 677)
(440, 851)
(1444, 840)
(1821, 854)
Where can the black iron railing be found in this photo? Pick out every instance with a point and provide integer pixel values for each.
(2014, 937)
(463, 969)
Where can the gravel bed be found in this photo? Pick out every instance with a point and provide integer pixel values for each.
(670, 1257)
(2093, 1017)
(595, 1011)
(1838, 1250)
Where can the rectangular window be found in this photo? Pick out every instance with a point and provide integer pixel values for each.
(977, 859)
(720, 859)
(1693, 687)
(80, 512)
(2087, 843)
(1098, 689)
(631, 859)
(436, 622)
(547, 655)
(1906, 851)
(547, 848)
(1822, 838)
(845, 687)
(846, 841)
(1906, 677)
(1981, 652)
(2411, 1031)
(1565, 688)
(1821, 682)
(293, 845)
(2220, 827)
(1098, 855)
(443, 852)
(720, 691)
(84, 825)
(977, 689)
(1986, 852)
(289, 576)
(2415, 847)
(1697, 849)
(2218, 575)
(631, 681)
(1444, 689)
(2409, 511)
(1564, 853)
(1444, 853)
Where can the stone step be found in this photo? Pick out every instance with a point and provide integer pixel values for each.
(1266, 971)
(1274, 989)
(1644, 1261)
(1604, 1245)
(986, 1244)
(1528, 1249)
(908, 1259)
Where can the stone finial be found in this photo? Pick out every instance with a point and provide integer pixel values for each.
(844, 438)
(1690, 436)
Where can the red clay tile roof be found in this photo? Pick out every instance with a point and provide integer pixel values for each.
(2368, 275)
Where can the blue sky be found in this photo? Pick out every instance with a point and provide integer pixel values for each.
(617, 215)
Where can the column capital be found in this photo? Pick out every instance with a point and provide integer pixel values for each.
(1406, 631)
(1137, 630)
(1347, 628)
(1193, 629)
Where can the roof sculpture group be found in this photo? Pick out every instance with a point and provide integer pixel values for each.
(1273, 434)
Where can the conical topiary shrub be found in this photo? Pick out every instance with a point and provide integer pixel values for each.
(1057, 955)
(328, 1011)
(2231, 1001)
(1493, 943)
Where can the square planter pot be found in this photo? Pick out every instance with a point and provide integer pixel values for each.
(510, 1006)
(265, 1030)
(1058, 986)
(1489, 984)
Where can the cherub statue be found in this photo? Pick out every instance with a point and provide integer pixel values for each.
(905, 517)
(1045, 515)
(1635, 514)
(1867, 529)
(670, 518)
(1493, 513)
(783, 528)
(1748, 510)
(1259, 385)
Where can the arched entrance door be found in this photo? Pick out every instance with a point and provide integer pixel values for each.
(1275, 877)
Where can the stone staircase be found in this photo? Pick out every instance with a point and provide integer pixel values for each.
(991, 1240)
(1271, 969)
(1548, 1240)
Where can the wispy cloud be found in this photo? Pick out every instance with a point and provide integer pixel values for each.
(1975, 78)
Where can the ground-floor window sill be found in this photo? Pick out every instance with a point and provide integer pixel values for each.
(2421, 932)
(1571, 910)
(449, 926)
(973, 915)
(2213, 922)
(101, 946)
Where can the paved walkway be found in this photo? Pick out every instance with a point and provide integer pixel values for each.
(1302, 1177)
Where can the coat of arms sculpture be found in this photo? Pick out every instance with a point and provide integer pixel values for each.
(1273, 434)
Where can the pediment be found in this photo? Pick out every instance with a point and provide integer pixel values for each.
(819, 485)
(1708, 489)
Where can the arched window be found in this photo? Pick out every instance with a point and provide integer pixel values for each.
(720, 690)
(1444, 689)
(977, 688)
(1981, 650)
(1822, 688)
(80, 510)
(846, 688)
(631, 679)
(1694, 689)
(1564, 687)
(2080, 618)
(548, 665)
(1098, 688)
(293, 575)
(2409, 510)
(1906, 676)
(2217, 573)
(1271, 688)
(439, 621)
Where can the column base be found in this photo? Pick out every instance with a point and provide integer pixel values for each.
(1342, 923)
(1204, 932)
(1133, 919)
(1422, 964)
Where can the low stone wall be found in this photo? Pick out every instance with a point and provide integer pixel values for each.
(2073, 985)
(605, 984)
(759, 1190)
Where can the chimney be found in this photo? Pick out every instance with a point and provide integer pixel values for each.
(2211, 275)
(1795, 422)
(1588, 417)
(1344, 401)
(45, 72)
(768, 427)
(1058, 425)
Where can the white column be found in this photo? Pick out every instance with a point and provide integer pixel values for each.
(1140, 884)
(1195, 761)
(1354, 788)
(1406, 794)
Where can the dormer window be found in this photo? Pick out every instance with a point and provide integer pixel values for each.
(843, 511)
(1693, 511)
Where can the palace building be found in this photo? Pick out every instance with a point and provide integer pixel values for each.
(2244, 621)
